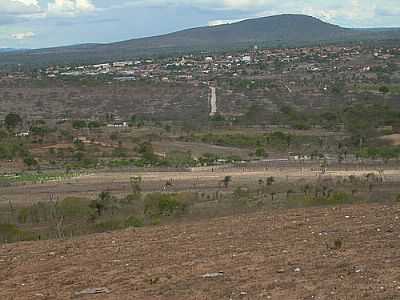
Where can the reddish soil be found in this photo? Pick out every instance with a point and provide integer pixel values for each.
(278, 255)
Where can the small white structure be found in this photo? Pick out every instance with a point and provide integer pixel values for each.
(118, 125)
(23, 134)
(246, 59)
(102, 66)
(122, 64)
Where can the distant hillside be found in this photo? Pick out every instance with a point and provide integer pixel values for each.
(282, 30)
(8, 50)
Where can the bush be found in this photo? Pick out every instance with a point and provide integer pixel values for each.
(384, 89)
(260, 152)
(30, 161)
(103, 202)
(12, 120)
(109, 225)
(10, 233)
(39, 212)
(158, 204)
(118, 224)
(134, 222)
(75, 207)
(398, 198)
(337, 198)
(241, 192)
(43, 212)
(11, 150)
(23, 215)
(79, 124)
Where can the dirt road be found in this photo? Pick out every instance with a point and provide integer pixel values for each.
(198, 180)
(283, 255)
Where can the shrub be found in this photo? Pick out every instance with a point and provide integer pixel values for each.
(75, 207)
(103, 202)
(260, 152)
(30, 161)
(79, 124)
(241, 192)
(109, 225)
(23, 215)
(134, 222)
(398, 198)
(339, 198)
(158, 204)
(336, 198)
(10, 233)
(12, 120)
(41, 212)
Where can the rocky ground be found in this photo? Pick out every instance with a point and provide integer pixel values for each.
(348, 252)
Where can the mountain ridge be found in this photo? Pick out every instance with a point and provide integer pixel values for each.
(273, 31)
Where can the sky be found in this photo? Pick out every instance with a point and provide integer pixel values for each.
(48, 23)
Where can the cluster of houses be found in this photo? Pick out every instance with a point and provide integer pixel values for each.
(201, 66)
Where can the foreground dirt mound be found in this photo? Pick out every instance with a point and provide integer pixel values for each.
(348, 252)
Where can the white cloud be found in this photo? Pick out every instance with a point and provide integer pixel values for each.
(222, 22)
(23, 35)
(32, 8)
(19, 7)
(356, 12)
(70, 8)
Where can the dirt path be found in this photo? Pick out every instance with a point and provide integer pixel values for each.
(285, 255)
(213, 101)
(200, 179)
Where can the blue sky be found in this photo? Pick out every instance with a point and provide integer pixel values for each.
(44, 23)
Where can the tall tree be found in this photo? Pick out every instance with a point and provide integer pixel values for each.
(12, 120)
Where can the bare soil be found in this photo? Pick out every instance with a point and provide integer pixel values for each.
(394, 139)
(287, 254)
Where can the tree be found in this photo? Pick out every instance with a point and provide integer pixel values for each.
(361, 122)
(102, 203)
(338, 87)
(226, 181)
(168, 184)
(260, 152)
(136, 185)
(288, 193)
(270, 180)
(306, 189)
(147, 152)
(79, 124)
(12, 120)
(273, 194)
(30, 161)
(384, 90)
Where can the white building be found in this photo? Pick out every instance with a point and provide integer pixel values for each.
(246, 59)
(102, 66)
(122, 64)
